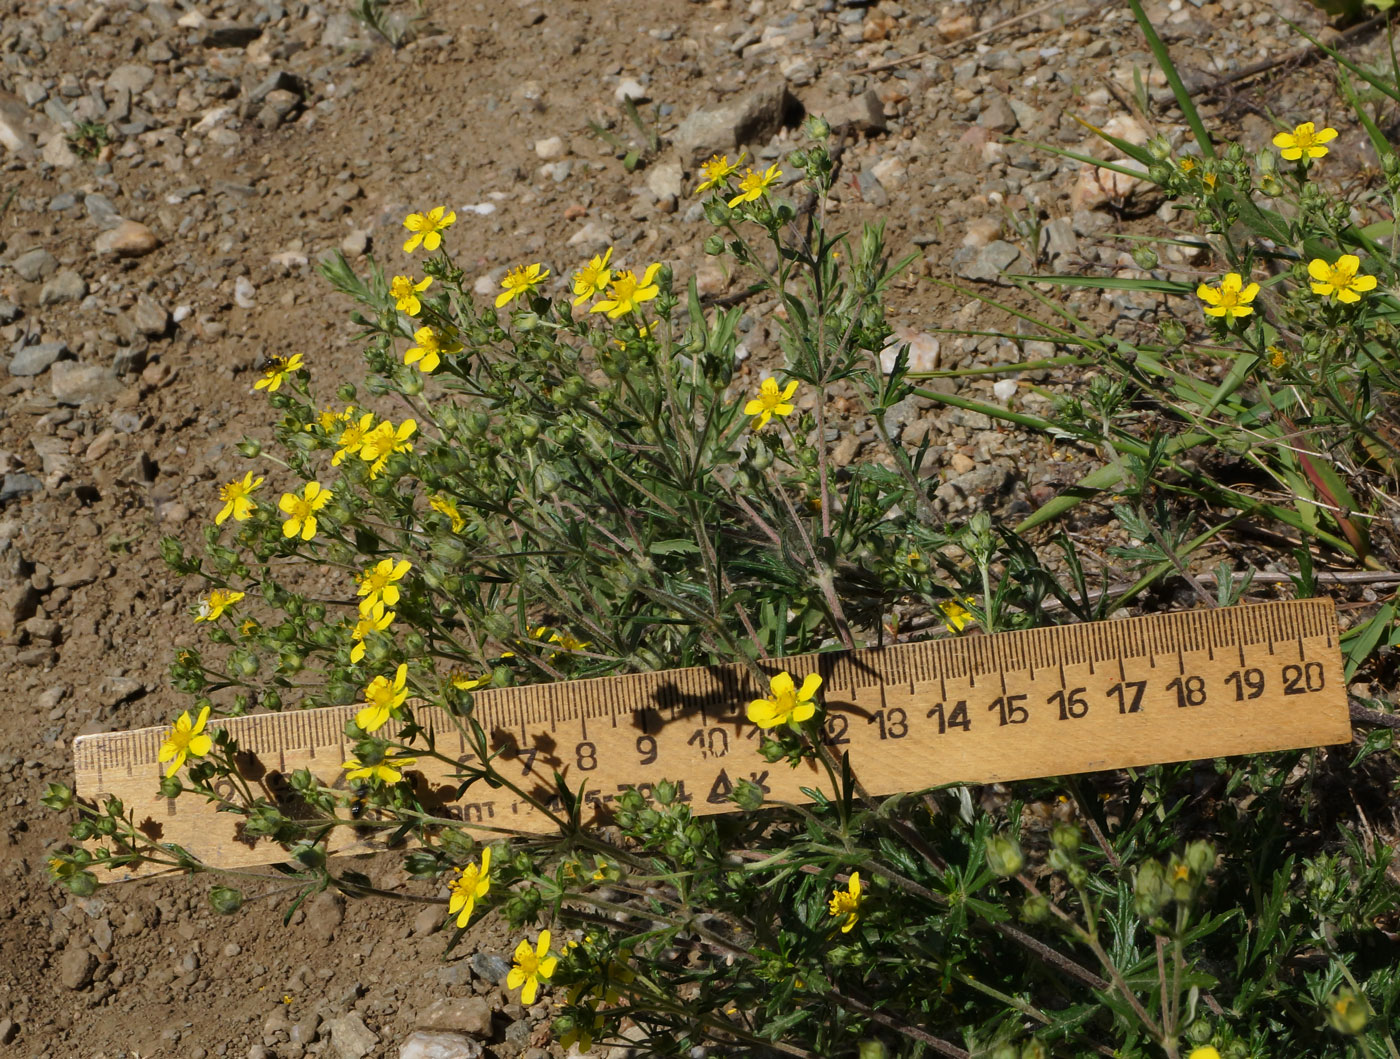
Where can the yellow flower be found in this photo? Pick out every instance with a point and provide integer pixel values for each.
(432, 344)
(427, 229)
(389, 770)
(1341, 279)
(185, 739)
(463, 682)
(955, 615)
(237, 498)
(532, 966)
(770, 402)
(446, 507)
(378, 583)
(383, 441)
(847, 903)
(627, 292)
(786, 703)
(718, 170)
(472, 882)
(301, 510)
(755, 185)
(405, 294)
(582, 1034)
(278, 368)
(385, 696)
(593, 278)
(1278, 357)
(212, 607)
(352, 438)
(1186, 165)
(1209, 181)
(520, 280)
(1204, 1052)
(568, 641)
(248, 628)
(328, 418)
(1304, 140)
(1230, 299)
(373, 619)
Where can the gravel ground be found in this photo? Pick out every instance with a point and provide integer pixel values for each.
(172, 171)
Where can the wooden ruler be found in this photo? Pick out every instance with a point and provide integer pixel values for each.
(973, 709)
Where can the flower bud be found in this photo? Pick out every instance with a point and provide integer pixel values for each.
(1145, 258)
(1035, 909)
(1004, 856)
(1201, 857)
(81, 884)
(1173, 333)
(1159, 148)
(1066, 836)
(170, 787)
(816, 127)
(225, 900)
(1034, 1049)
(1005, 1050)
(1151, 893)
(58, 797)
(250, 447)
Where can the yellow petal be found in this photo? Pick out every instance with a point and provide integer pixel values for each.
(1320, 270)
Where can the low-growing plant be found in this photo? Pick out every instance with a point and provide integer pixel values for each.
(543, 489)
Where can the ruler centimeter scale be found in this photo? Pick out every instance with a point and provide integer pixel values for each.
(973, 709)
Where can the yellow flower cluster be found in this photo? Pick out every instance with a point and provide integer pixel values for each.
(753, 185)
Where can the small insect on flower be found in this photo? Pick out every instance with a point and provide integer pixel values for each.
(755, 186)
(301, 510)
(238, 499)
(628, 292)
(786, 703)
(718, 170)
(520, 280)
(277, 369)
(532, 966)
(847, 903)
(472, 882)
(186, 739)
(427, 228)
(1344, 280)
(212, 607)
(384, 697)
(771, 401)
(405, 294)
(1231, 299)
(1305, 140)
(432, 345)
(593, 278)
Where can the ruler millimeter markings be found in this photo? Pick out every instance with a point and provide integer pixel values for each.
(971, 709)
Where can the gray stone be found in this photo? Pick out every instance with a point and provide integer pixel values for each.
(998, 116)
(131, 77)
(862, 114)
(490, 966)
(67, 286)
(224, 34)
(64, 201)
(9, 311)
(1058, 239)
(989, 262)
(355, 243)
(752, 119)
(470, 1015)
(277, 107)
(9, 1030)
(150, 317)
(664, 180)
(101, 211)
(75, 384)
(350, 1037)
(17, 485)
(435, 1044)
(34, 360)
(977, 490)
(34, 265)
(75, 968)
(277, 81)
(244, 292)
(551, 148)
